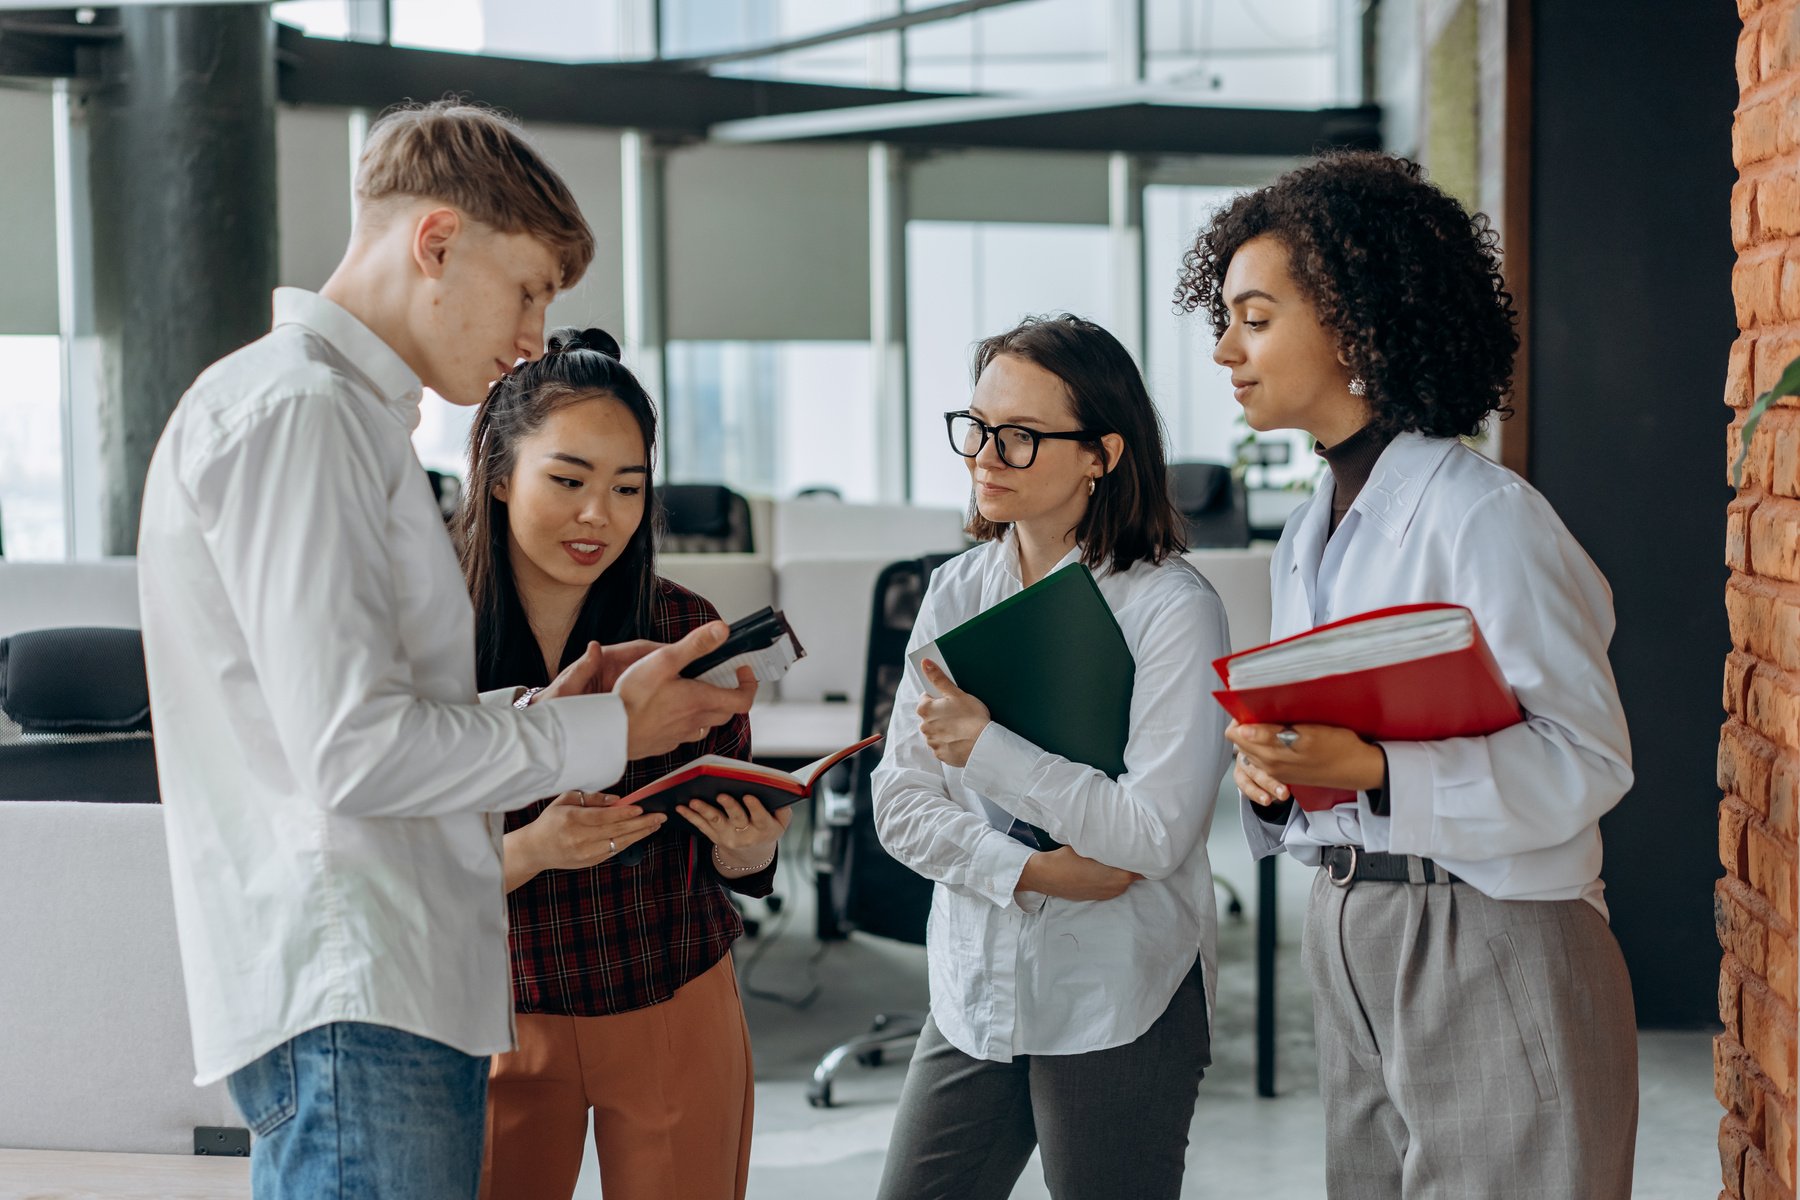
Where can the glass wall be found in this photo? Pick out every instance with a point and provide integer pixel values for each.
(964, 281)
(772, 418)
(31, 448)
(1204, 421)
(1238, 51)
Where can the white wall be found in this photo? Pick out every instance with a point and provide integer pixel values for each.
(768, 243)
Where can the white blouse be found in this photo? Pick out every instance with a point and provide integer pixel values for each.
(1055, 976)
(1515, 814)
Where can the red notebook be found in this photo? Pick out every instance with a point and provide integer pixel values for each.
(1418, 672)
(710, 774)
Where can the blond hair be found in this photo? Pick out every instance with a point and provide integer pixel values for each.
(473, 158)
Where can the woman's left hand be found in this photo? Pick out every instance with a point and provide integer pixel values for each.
(1321, 756)
(951, 721)
(742, 831)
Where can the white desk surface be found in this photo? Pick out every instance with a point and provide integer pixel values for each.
(92, 1175)
(802, 729)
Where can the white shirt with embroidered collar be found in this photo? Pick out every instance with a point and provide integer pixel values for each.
(1515, 814)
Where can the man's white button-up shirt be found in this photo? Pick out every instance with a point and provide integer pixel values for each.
(326, 767)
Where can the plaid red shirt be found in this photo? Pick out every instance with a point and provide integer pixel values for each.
(614, 937)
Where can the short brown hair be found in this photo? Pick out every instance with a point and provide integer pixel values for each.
(1130, 517)
(476, 159)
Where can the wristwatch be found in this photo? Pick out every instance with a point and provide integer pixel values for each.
(526, 696)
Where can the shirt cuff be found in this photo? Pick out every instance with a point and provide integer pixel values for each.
(1000, 763)
(504, 697)
(1264, 837)
(994, 873)
(593, 740)
(1407, 827)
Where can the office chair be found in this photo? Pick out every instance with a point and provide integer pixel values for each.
(448, 490)
(75, 717)
(860, 886)
(703, 518)
(1212, 503)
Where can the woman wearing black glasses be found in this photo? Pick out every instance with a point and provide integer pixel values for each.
(1070, 987)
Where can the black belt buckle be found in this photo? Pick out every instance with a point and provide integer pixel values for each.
(1349, 874)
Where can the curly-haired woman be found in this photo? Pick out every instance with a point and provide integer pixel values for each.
(1475, 1023)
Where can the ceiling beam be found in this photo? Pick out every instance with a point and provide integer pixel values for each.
(1145, 120)
(325, 71)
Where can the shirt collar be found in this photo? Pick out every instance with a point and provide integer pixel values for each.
(1009, 557)
(395, 382)
(1390, 499)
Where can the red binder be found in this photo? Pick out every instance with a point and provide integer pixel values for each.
(1457, 694)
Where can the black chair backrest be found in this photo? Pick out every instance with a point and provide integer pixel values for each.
(704, 518)
(870, 890)
(75, 717)
(1212, 503)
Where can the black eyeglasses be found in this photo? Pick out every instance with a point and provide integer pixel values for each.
(1018, 445)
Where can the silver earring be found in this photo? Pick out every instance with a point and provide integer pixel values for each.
(1090, 485)
(1358, 387)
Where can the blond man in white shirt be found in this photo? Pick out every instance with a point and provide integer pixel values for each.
(328, 769)
(1071, 986)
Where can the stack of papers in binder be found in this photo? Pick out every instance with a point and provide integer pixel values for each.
(1420, 672)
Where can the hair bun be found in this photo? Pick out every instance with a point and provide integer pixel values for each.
(598, 340)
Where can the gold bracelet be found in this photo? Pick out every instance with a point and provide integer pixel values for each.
(763, 865)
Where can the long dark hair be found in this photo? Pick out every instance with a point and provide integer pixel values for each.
(579, 364)
(1130, 517)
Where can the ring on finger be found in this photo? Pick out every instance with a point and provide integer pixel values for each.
(612, 847)
(1288, 736)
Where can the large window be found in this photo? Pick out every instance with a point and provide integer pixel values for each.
(32, 513)
(966, 280)
(772, 418)
(1204, 422)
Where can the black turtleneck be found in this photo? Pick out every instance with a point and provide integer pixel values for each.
(1352, 461)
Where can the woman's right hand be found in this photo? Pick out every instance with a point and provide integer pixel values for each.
(1066, 874)
(577, 829)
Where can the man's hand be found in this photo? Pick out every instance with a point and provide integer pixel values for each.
(1064, 873)
(951, 721)
(614, 660)
(578, 678)
(663, 710)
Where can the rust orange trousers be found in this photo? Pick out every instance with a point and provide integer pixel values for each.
(670, 1088)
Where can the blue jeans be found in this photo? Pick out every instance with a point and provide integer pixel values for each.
(363, 1111)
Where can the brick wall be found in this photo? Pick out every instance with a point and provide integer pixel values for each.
(1759, 747)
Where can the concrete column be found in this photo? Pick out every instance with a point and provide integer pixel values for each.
(182, 176)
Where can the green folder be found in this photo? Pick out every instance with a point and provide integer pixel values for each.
(1051, 664)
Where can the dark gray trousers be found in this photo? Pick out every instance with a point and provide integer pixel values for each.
(1470, 1048)
(1113, 1124)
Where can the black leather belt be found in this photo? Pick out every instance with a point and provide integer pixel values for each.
(1345, 864)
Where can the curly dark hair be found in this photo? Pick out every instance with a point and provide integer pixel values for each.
(1408, 281)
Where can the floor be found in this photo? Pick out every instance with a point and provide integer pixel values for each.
(1240, 1145)
(803, 1001)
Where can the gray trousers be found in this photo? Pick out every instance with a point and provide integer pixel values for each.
(1470, 1048)
(1112, 1123)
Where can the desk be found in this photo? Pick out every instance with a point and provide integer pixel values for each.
(802, 729)
(93, 1175)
